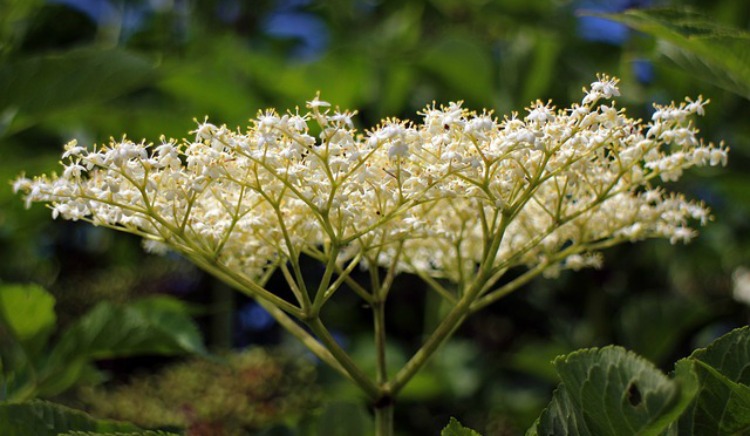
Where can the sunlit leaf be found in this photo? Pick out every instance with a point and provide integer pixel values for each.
(28, 313)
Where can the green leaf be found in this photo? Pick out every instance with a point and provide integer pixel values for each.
(709, 51)
(562, 416)
(27, 311)
(611, 391)
(722, 405)
(172, 318)
(27, 318)
(41, 418)
(156, 325)
(454, 428)
(33, 88)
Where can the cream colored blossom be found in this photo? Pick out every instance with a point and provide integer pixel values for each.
(454, 194)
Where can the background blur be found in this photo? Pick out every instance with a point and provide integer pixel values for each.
(92, 69)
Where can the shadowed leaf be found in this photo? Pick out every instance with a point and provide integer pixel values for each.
(41, 418)
(156, 325)
(611, 391)
(722, 405)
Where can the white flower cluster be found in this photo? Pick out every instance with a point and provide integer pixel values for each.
(445, 197)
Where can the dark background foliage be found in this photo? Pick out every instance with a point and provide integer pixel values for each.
(91, 69)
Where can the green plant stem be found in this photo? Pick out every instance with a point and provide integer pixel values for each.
(384, 419)
(443, 331)
(378, 311)
(455, 317)
(354, 372)
(320, 295)
(243, 284)
(303, 336)
(282, 317)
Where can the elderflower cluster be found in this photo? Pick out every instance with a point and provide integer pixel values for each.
(442, 197)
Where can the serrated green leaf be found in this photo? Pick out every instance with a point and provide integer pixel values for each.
(560, 417)
(455, 428)
(41, 418)
(27, 311)
(722, 405)
(709, 51)
(611, 391)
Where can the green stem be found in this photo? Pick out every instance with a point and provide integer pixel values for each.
(303, 336)
(455, 317)
(384, 419)
(378, 311)
(355, 373)
(244, 284)
(443, 331)
(320, 295)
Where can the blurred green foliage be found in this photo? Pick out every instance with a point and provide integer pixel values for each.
(31, 366)
(66, 72)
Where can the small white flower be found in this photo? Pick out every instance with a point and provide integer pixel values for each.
(417, 196)
(73, 149)
(317, 103)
